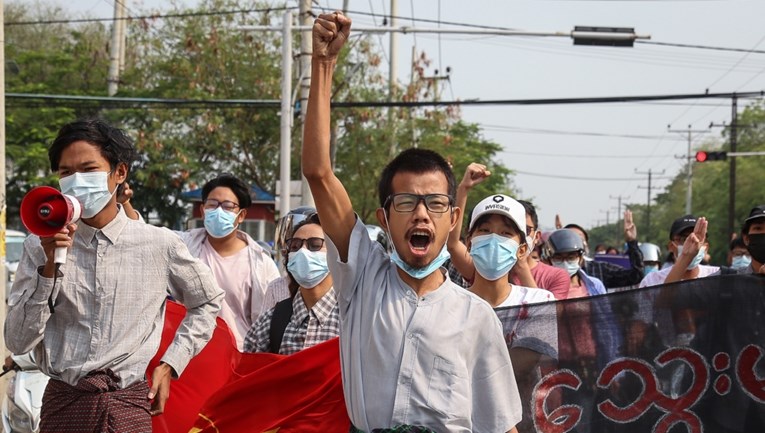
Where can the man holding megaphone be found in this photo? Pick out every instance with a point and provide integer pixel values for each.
(89, 298)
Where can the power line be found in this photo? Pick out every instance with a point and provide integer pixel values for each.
(355, 12)
(596, 179)
(702, 47)
(588, 156)
(273, 103)
(147, 17)
(520, 130)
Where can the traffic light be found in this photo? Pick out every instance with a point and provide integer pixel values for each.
(704, 156)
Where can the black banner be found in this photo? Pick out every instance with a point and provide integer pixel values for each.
(684, 357)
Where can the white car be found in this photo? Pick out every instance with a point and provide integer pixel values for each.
(14, 244)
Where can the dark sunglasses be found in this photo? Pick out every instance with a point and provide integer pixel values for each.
(313, 244)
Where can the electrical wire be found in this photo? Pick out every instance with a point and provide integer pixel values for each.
(148, 17)
(595, 179)
(274, 103)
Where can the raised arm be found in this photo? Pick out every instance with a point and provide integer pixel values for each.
(474, 174)
(330, 31)
(691, 247)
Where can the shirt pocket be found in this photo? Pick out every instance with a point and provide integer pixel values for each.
(445, 387)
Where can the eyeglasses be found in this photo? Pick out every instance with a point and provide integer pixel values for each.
(567, 257)
(405, 202)
(313, 244)
(227, 205)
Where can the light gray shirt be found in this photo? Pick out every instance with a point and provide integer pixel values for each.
(439, 361)
(110, 302)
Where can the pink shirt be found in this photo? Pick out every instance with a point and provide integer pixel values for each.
(232, 274)
(551, 279)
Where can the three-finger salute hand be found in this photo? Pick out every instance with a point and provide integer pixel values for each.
(630, 230)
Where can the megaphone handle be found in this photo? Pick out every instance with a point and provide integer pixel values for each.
(59, 257)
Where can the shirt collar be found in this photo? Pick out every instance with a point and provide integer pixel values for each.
(322, 310)
(111, 231)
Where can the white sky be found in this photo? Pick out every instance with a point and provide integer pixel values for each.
(501, 67)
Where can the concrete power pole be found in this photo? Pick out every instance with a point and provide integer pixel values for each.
(123, 40)
(115, 49)
(305, 20)
(392, 74)
(648, 201)
(732, 173)
(3, 206)
(689, 164)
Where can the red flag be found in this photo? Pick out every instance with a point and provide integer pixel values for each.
(206, 373)
(268, 393)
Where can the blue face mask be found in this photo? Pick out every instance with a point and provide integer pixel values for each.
(417, 273)
(309, 268)
(696, 260)
(647, 269)
(570, 266)
(741, 262)
(220, 223)
(420, 273)
(493, 255)
(91, 189)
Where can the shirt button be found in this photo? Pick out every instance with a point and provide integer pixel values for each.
(411, 336)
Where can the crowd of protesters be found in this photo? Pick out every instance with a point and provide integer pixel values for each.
(421, 349)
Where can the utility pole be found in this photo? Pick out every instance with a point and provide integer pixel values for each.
(285, 144)
(123, 41)
(393, 71)
(305, 21)
(618, 212)
(392, 75)
(3, 207)
(115, 49)
(689, 163)
(732, 173)
(648, 201)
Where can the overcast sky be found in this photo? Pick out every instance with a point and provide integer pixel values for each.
(557, 150)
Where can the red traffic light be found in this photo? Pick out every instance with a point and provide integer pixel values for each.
(704, 156)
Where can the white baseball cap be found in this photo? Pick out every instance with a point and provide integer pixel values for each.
(501, 205)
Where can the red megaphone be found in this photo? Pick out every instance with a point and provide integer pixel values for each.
(45, 211)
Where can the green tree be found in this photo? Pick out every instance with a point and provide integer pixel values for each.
(207, 57)
(710, 188)
(45, 58)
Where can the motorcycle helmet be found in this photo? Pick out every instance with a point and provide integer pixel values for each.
(562, 241)
(651, 252)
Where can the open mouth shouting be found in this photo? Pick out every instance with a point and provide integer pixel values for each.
(419, 241)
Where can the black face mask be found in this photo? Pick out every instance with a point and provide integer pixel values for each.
(757, 247)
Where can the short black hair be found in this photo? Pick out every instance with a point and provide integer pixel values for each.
(418, 161)
(578, 227)
(227, 180)
(530, 211)
(737, 243)
(115, 146)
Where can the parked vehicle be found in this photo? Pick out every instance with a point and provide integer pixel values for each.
(14, 244)
(23, 397)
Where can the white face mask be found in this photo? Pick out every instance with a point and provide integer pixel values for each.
(570, 266)
(696, 260)
(91, 189)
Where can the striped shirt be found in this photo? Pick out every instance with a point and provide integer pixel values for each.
(306, 328)
(110, 302)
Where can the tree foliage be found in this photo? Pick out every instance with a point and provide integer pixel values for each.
(710, 189)
(208, 57)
